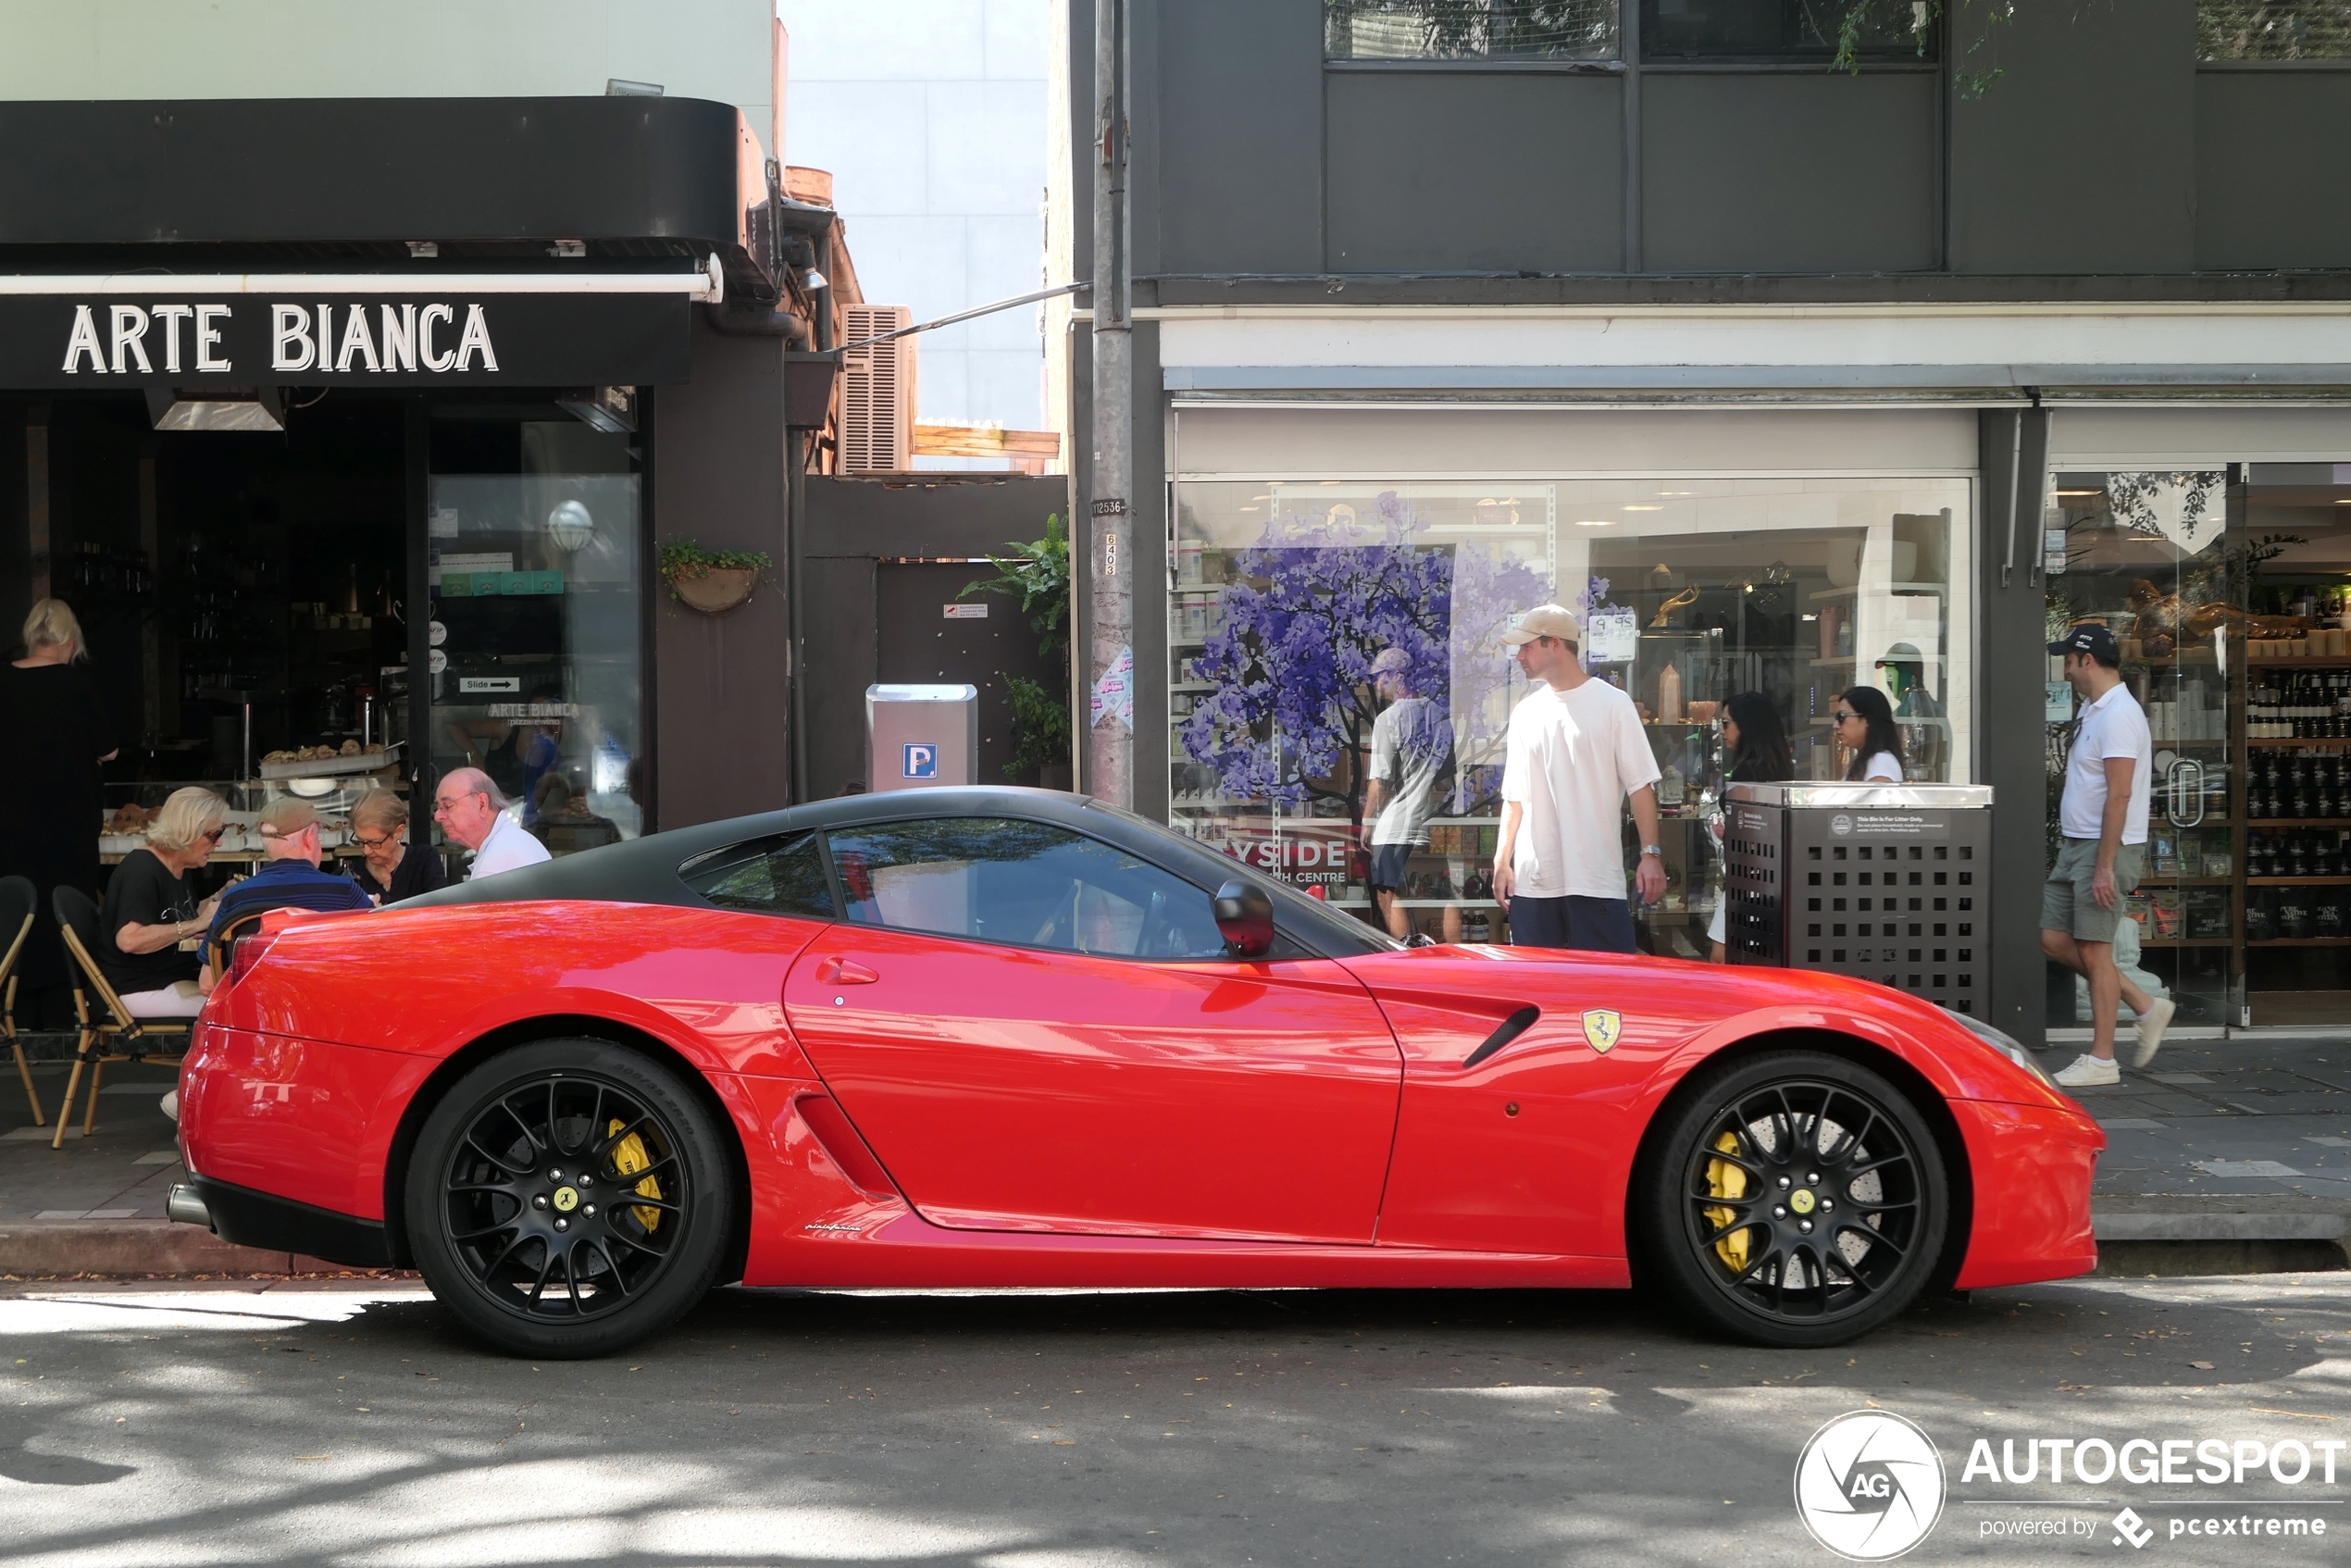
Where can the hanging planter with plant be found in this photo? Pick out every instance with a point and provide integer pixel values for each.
(712, 581)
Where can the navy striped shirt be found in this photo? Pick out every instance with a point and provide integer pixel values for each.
(285, 884)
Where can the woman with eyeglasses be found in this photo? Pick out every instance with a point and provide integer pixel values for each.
(1864, 725)
(1756, 744)
(152, 924)
(388, 870)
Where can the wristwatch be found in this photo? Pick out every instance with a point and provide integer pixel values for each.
(1657, 850)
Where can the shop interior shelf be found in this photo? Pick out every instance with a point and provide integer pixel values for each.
(2298, 881)
(2188, 881)
(2191, 942)
(1826, 595)
(2290, 746)
(2289, 665)
(2293, 822)
(2303, 941)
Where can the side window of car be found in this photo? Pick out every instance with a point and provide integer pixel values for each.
(1028, 883)
(775, 875)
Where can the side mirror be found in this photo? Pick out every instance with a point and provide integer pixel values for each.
(1245, 918)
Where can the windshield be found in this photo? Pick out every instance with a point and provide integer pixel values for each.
(1329, 931)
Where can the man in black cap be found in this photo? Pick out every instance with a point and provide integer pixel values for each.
(2104, 819)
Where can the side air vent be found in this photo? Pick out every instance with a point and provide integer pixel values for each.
(839, 1140)
(1510, 1029)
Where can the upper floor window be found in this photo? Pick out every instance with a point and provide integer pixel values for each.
(2272, 29)
(1469, 29)
(1788, 29)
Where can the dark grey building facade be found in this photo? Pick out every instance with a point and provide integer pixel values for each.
(1788, 378)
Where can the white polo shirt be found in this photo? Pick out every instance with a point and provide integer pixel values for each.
(508, 848)
(2111, 727)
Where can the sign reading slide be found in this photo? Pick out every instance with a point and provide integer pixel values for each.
(407, 343)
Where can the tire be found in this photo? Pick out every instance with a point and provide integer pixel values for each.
(506, 1209)
(1721, 1228)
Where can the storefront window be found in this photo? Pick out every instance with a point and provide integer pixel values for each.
(1305, 615)
(537, 643)
(2229, 592)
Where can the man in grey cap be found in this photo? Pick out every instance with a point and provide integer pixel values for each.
(2103, 816)
(1575, 752)
(1410, 743)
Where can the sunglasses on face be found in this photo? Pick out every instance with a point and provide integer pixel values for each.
(214, 836)
(1843, 715)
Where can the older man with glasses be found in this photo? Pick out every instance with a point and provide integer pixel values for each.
(471, 811)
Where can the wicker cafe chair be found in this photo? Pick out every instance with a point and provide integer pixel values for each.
(118, 1037)
(218, 951)
(18, 899)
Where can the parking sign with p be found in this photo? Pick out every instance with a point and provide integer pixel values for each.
(921, 761)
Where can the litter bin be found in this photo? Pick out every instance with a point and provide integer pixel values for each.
(1889, 882)
(921, 736)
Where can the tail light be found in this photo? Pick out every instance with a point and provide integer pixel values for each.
(246, 954)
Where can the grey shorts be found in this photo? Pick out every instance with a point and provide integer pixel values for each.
(2066, 903)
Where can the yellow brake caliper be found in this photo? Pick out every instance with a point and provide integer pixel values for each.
(630, 1157)
(1724, 1179)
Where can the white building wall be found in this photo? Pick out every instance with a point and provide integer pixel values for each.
(931, 115)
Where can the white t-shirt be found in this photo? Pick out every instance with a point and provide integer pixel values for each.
(508, 848)
(2111, 727)
(1572, 758)
(1409, 744)
(1883, 766)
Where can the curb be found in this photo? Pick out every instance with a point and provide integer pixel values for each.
(2161, 1217)
(139, 1247)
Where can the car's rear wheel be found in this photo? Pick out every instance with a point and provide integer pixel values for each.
(568, 1198)
(1795, 1200)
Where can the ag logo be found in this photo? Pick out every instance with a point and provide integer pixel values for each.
(1869, 1486)
(1601, 1025)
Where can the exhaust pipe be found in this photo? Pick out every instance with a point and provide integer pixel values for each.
(183, 1207)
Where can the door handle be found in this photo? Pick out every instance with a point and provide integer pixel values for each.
(844, 971)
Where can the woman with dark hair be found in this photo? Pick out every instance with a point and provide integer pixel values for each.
(1759, 751)
(1864, 726)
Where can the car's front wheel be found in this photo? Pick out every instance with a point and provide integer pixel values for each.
(567, 1198)
(1796, 1200)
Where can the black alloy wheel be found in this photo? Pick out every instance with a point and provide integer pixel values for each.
(568, 1198)
(1799, 1201)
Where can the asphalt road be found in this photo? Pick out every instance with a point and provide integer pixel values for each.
(308, 1425)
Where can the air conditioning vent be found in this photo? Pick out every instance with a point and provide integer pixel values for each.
(876, 391)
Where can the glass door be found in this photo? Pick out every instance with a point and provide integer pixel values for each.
(2154, 558)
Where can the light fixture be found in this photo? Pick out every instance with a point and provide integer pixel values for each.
(1644, 506)
(813, 281)
(2080, 493)
(571, 526)
(1596, 522)
(620, 87)
(423, 250)
(226, 408)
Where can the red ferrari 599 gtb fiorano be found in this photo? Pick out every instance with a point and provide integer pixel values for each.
(955, 1038)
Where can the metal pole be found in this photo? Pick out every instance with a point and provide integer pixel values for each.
(796, 607)
(1110, 735)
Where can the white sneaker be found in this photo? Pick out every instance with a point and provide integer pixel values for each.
(2087, 1071)
(2152, 1023)
(171, 1103)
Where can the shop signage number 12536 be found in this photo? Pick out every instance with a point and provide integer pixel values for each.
(528, 340)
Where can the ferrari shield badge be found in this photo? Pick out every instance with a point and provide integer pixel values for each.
(1601, 1025)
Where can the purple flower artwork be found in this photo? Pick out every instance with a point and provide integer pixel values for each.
(1305, 613)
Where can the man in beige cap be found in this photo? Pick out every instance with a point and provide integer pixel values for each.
(288, 877)
(1575, 752)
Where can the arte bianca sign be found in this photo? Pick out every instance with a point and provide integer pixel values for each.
(510, 339)
(404, 339)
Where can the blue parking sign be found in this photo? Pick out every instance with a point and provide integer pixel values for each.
(922, 760)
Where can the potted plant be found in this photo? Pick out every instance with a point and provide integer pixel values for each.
(1038, 573)
(712, 581)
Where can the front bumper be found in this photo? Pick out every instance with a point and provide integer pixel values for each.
(279, 1225)
(2033, 1166)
